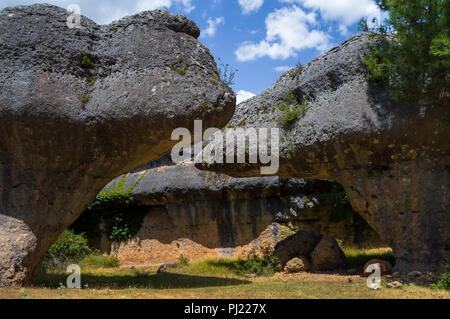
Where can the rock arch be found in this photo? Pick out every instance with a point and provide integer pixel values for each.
(393, 160)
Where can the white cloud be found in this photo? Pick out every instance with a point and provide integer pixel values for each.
(212, 26)
(243, 96)
(144, 5)
(249, 6)
(343, 30)
(283, 68)
(103, 12)
(186, 5)
(288, 30)
(345, 12)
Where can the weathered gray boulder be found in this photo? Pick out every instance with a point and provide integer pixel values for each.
(80, 106)
(393, 160)
(327, 255)
(160, 184)
(300, 244)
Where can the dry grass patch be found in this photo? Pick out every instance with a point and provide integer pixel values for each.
(213, 279)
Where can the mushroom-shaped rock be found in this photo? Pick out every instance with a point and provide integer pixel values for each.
(393, 160)
(80, 105)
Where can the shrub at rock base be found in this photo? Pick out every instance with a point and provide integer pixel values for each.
(67, 249)
(260, 266)
(444, 281)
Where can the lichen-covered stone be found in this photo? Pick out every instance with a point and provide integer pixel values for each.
(80, 106)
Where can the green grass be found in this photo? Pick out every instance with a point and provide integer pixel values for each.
(218, 278)
(86, 62)
(99, 261)
(297, 70)
(122, 278)
(217, 266)
(264, 289)
(260, 266)
(358, 257)
(214, 278)
(291, 113)
(183, 261)
(444, 279)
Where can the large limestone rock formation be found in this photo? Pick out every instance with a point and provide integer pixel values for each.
(80, 106)
(393, 160)
(201, 214)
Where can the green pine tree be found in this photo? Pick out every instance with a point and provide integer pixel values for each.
(410, 54)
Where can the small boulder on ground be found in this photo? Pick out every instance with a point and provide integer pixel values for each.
(297, 264)
(394, 284)
(327, 255)
(163, 268)
(301, 243)
(413, 275)
(352, 272)
(385, 267)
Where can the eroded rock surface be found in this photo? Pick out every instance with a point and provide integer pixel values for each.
(300, 244)
(297, 264)
(327, 255)
(201, 214)
(393, 160)
(80, 106)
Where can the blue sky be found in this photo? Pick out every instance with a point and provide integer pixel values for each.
(259, 38)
